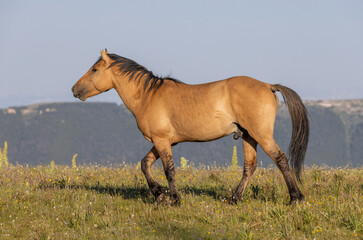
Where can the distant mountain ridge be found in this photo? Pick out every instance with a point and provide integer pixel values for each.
(106, 133)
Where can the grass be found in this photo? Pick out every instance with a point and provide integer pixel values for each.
(93, 202)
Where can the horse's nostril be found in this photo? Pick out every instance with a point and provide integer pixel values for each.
(76, 92)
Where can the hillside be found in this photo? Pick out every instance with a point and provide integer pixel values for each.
(106, 133)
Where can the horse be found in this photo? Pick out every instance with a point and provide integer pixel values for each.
(168, 112)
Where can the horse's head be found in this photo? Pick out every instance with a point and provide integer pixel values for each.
(98, 79)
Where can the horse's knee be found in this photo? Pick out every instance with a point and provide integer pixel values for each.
(254, 165)
(282, 161)
(170, 173)
(249, 169)
(145, 164)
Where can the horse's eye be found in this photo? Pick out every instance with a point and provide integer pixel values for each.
(94, 69)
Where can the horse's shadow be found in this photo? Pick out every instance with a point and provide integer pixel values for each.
(126, 192)
(140, 192)
(143, 193)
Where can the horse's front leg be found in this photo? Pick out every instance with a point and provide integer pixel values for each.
(164, 149)
(155, 188)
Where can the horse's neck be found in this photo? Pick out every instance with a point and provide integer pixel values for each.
(131, 92)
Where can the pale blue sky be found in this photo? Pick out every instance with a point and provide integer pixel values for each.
(313, 47)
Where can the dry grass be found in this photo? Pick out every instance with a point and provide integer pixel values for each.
(92, 202)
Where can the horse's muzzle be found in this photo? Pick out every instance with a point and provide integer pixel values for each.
(78, 93)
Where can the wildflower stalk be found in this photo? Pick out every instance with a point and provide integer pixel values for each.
(183, 163)
(52, 164)
(138, 165)
(5, 154)
(74, 164)
(234, 162)
(1, 158)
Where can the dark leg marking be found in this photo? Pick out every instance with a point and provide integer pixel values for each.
(169, 169)
(280, 159)
(250, 165)
(294, 191)
(155, 188)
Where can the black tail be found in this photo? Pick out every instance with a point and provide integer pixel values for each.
(300, 128)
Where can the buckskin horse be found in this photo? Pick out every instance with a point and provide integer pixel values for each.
(168, 112)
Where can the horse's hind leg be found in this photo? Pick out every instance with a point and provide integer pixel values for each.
(273, 150)
(155, 188)
(250, 164)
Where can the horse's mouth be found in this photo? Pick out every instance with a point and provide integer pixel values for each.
(80, 94)
(83, 98)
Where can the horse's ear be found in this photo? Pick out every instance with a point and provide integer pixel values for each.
(105, 57)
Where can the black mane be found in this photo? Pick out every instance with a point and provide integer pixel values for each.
(137, 72)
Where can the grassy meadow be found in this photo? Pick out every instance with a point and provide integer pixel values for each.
(95, 202)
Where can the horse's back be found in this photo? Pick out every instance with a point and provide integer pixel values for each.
(209, 111)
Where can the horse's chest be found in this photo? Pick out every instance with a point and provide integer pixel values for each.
(144, 128)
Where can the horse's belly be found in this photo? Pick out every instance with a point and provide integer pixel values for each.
(204, 130)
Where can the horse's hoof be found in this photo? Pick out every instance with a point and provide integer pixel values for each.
(295, 199)
(158, 190)
(175, 200)
(175, 203)
(161, 199)
(232, 201)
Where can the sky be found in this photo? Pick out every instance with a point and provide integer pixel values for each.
(313, 47)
